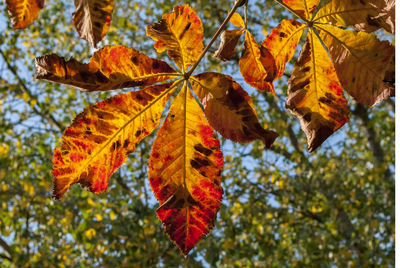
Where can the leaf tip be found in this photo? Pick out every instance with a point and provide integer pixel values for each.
(269, 138)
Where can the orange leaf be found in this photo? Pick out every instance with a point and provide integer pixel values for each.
(112, 67)
(229, 109)
(282, 43)
(100, 138)
(185, 172)
(227, 47)
(23, 12)
(367, 15)
(92, 19)
(237, 20)
(181, 34)
(361, 61)
(251, 65)
(315, 95)
(304, 8)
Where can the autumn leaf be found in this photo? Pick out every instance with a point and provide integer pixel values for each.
(112, 67)
(185, 172)
(386, 15)
(361, 61)
(303, 8)
(23, 12)
(92, 19)
(281, 44)
(101, 137)
(315, 95)
(251, 65)
(367, 16)
(237, 20)
(229, 39)
(227, 47)
(229, 109)
(181, 34)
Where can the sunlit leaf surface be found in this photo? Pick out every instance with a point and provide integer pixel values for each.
(281, 44)
(23, 12)
(111, 67)
(361, 61)
(251, 65)
(180, 33)
(92, 19)
(185, 172)
(101, 137)
(315, 95)
(229, 109)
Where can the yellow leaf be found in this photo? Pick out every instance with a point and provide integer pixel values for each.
(281, 44)
(25, 97)
(229, 109)
(90, 202)
(92, 19)
(23, 12)
(33, 103)
(181, 34)
(315, 95)
(111, 67)
(304, 8)
(185, 172)
(237, 20)
(98, 217)
(361, 61)
(90, 233)
(4, 149)
(112, 215)
(251, 65)
(366, 16)
(101, 137)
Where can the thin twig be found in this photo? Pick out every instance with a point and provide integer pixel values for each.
(221, 28)
(47, 115)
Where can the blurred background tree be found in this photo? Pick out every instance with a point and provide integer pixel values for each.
(282, 207)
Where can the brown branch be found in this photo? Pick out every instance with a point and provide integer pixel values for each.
(35, 108)
(362, 113)
(7, 248)
(238, 3)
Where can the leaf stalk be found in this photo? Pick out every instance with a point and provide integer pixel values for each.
(238, 3)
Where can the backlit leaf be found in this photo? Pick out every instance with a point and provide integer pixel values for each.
(282, 43)
(251, 65)
(185, 172)
(237, 20)
(229, 109)
(361, 61)
(92, 19)
(101, 137)
(315, 95)
(304, 8)
(180, 33)
(111, 67)
(366, 16)
(227, 47)
(23, 12)
(386, 16)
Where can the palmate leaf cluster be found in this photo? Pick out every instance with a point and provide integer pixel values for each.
(103, 72)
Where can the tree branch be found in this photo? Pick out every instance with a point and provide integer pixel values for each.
(362, 113)
(35, 108)
(238, 3)
(7, 249)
